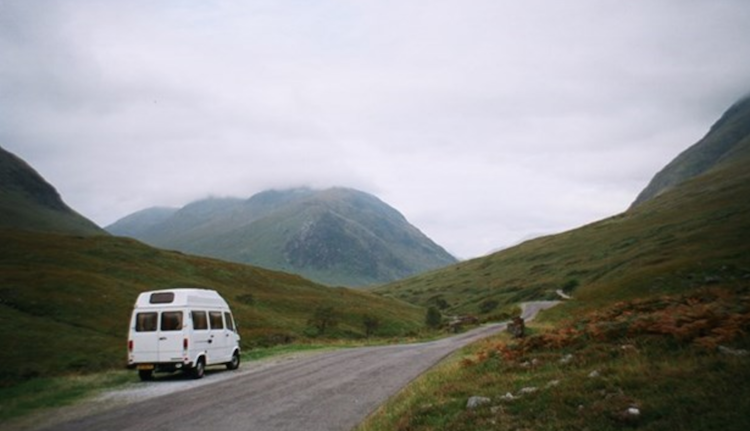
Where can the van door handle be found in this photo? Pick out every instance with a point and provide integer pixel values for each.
(162, 338)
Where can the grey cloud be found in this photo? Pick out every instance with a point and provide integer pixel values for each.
(484, 122)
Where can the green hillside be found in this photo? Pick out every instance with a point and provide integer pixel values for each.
(65, 301)
(697, 232)
(721, 144)
(656, 336)
(27, 201)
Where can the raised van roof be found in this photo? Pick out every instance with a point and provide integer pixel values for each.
(180, 298)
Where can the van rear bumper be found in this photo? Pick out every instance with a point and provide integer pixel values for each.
(161, 366)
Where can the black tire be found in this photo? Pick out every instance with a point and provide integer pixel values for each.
(235, 362)
(146, 375)
(199, 369)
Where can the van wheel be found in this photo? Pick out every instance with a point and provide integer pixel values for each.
(235, 362)
(146, 375)
(199, 369)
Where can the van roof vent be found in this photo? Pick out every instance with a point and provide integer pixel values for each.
(161, 298)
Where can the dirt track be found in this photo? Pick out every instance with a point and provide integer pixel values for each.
(327, 391)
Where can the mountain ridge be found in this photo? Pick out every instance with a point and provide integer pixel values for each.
(724, 139)
(336, 236)
(28, 201)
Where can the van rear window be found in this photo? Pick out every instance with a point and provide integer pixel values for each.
(200, 322)
(171, 320)
(145, 322)
(161, 298)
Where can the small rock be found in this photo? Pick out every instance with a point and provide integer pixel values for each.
(508, 397)
(594, 374)
(733, 352)
(566, 359)
(633, 411)
(475, 402)
(553, 383)
(528, 390)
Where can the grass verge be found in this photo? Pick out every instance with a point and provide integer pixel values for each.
(678, 363)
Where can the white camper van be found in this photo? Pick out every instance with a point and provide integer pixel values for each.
(181, 329)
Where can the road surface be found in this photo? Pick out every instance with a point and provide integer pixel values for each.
(328, 391)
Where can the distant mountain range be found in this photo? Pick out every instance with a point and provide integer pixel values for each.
(29, 202)
(337, 236)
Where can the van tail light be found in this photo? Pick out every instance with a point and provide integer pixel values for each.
(184, 344)
(130, 345)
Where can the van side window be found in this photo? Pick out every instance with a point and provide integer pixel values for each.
(200, 322)
(230, 322)
(171, 320)
(215, 318)
(145, 322)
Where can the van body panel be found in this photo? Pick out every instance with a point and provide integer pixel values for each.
(174, 329)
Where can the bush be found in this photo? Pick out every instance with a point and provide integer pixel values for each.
(488, 305)
(433, 319)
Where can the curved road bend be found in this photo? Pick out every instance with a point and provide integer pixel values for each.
(329, 391)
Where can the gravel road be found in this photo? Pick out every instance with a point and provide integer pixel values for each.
(332, 390)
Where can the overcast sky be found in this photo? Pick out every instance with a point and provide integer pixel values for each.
(485, 122)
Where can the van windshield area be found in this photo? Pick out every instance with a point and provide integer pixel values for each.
(230, 322)
(145, 322)
(171, 321)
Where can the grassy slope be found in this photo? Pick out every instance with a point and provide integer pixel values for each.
(660, 322)
(700, 230)
(65, 300)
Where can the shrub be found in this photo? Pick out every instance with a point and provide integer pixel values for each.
(433, 319)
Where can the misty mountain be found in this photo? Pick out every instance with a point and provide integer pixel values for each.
(336, 236)
(725, 139)
(29, 202)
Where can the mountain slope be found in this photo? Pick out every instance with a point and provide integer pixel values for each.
(337, 236)
(28, 202)
(696, 232)
(721, 144)
(65, 301)
(67, 288)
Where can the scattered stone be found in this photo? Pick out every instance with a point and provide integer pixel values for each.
(553, 383)
(733, 352)
(475, 402)
(566, 359)
(517, 327)
(528, 390)
(629, 416)
(508, 397)
(594, 374)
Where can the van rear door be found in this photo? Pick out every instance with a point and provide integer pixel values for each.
(145, 336)
(171, 336)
